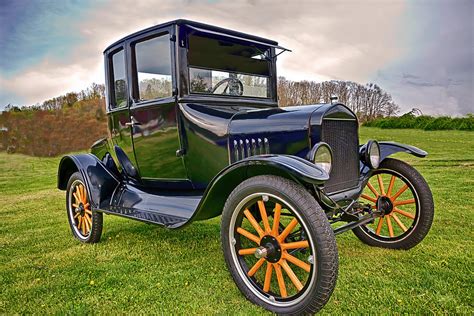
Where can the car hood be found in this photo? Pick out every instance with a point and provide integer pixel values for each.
(270, 131)
(262, 121)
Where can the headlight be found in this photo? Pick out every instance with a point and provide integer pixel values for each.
(322, 156)
(372, 154)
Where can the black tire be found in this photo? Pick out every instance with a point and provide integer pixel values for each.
(94, 229)
(321, 279)
(424, 209)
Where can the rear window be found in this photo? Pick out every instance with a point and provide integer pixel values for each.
(119, 80)
(153, 66)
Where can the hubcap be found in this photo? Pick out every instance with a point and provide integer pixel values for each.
(384, 204)
(269, 249)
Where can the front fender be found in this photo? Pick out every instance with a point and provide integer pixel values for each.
(390, 148)
(387, 149)
(100, 182)
(290, 167)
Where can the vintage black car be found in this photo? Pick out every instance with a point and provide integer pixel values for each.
(195, 132)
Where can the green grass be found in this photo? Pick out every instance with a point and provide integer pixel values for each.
(141, 268)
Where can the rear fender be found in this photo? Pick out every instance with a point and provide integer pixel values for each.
(290, 167)
(99, 180)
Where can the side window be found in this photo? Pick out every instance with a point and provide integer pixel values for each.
(153, 66)
(118, 80)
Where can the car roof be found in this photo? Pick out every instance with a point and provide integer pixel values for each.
(198, 25)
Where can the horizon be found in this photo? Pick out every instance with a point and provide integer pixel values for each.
(420, 52)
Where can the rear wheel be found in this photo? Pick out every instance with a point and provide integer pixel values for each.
(85, 223)
(407, 202)
(279, 246)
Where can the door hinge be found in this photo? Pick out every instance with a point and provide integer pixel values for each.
(180, 152)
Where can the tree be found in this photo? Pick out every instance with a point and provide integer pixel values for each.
(367, 101)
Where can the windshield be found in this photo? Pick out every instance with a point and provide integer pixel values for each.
(225, 67)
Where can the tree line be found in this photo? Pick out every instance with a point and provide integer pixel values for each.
(94, 92)
(368, 101)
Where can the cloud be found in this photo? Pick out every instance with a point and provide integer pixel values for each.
(330, 40)
(436, 73)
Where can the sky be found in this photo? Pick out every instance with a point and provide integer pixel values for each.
(421, 52)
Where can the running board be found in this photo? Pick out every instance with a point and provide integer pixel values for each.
(165, 208)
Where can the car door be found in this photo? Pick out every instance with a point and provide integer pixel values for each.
(118, 101)
(153, 109)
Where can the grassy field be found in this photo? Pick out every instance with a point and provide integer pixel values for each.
(140, 268)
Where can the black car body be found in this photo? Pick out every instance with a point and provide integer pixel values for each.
(193, 112)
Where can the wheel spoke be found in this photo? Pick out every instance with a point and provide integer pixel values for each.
(84, 193)
(87, 224)
(254, 223)
(382, 189)
(77, 215)
(292, 275)
(88, 220)
(390, 228)
(371, 199)
(402, 189)
(281, 281)
(86, 205)
(268, 277)
(79, 222)
(79, 192)
(379, 226)
(83, 226)
(399, 222)
(297, 262)
(81, 188)
(399, 211)
(246, 252)
(371, 187)
(263, 214)
(405, 202)
(288, 230)
(76, 197)
(250, 236)
(256, 267)
(88, 212)
(390, 186)
(75, 205)
(295, 245)
(276, 219)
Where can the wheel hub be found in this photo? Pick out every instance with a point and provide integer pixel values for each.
(269, 249)
(81, 210)
(384, 205)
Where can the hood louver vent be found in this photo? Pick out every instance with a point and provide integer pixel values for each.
(246, 147)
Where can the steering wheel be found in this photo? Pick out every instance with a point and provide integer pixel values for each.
(236, 83)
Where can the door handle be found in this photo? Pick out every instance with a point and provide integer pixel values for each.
(132, 122)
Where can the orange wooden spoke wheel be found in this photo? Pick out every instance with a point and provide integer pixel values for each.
(398, 200)
(273, 248)
(80, 209)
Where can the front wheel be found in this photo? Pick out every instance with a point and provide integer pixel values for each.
(407, 202)
(279, 246)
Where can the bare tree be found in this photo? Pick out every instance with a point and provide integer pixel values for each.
(367, 101)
